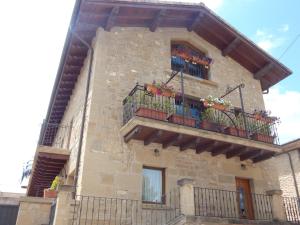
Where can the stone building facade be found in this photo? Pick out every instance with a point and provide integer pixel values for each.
(288, 165)
(102, 155)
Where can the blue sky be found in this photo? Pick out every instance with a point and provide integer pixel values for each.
(276, 21)
(32, 38)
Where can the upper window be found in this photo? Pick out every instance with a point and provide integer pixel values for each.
(191, 60)
(153, 185)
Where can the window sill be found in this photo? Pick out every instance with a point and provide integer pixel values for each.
(203, 81)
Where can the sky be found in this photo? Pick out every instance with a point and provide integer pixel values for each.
(31, 42)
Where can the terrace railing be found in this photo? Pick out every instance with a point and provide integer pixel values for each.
(292, 209)
(142, 103)
(53, 134)
(117, 211)
(227, 204)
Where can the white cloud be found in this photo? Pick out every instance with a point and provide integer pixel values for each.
(284, 28)
(268, 41)
(285, 104)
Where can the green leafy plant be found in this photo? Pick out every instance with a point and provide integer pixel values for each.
(214, 116)
(57, 181)
(168, 106)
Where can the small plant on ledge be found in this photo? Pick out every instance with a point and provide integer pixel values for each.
(52, 191)
(217, 103)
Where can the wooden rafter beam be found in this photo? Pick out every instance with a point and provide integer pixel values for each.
(111, 18)
(196, 21)
(236, 152)
(153, 137)
(157, 19)
(263, 157)
(221, 149)
(233, 45)
(205, 146)
(190, 143)
(259, 74)
(132, 134)
(172, 140)
(250, 155)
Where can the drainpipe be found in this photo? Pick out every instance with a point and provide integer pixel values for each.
(84, 107)
(292, 169)
(293, 173)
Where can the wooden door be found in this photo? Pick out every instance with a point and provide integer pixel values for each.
(244, 199)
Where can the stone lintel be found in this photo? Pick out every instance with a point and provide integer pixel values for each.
(66, 188)
(185, 181)
(37, 200)
(274, 192)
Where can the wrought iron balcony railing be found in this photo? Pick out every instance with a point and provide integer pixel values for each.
(106, 211)
(56, 135)
(233, 121)
(232, 204)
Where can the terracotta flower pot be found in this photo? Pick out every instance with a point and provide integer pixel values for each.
(153, 89)
(48, 193)
(219, 107)
(215, 106)
(168, 93)
(151, 113)
(206, 125)
(178, 119)
(235, 131)
(263, 138)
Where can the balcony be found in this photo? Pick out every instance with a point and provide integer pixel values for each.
(162, 119)
(50, 157)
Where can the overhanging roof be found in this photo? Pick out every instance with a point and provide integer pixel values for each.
(89, 15)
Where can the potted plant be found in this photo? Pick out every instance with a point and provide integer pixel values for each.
(160, 89)
(238, 129)
(52, 191)
(178, 117)
(217, 103)
(213, 120)
(262, 132)
(264, 116)
(149, 109)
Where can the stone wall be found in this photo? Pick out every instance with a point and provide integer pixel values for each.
(9, 198)
(125, 56)
(33, 211)
(285, 173)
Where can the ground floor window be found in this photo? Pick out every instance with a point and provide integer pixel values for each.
(153, 185)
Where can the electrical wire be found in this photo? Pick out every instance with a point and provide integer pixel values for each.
(290, 45)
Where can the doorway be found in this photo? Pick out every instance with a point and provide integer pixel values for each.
(244, 198)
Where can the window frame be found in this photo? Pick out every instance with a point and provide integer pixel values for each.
(200, 52)
(163, 184)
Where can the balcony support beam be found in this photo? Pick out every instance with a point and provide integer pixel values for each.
(221, 149)
(132, 134)
(263, 157)
(111, 18)
(236, 152)
(190, 143)
(250, 155)
(205, 146)
(172, 140)
(153, 137)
